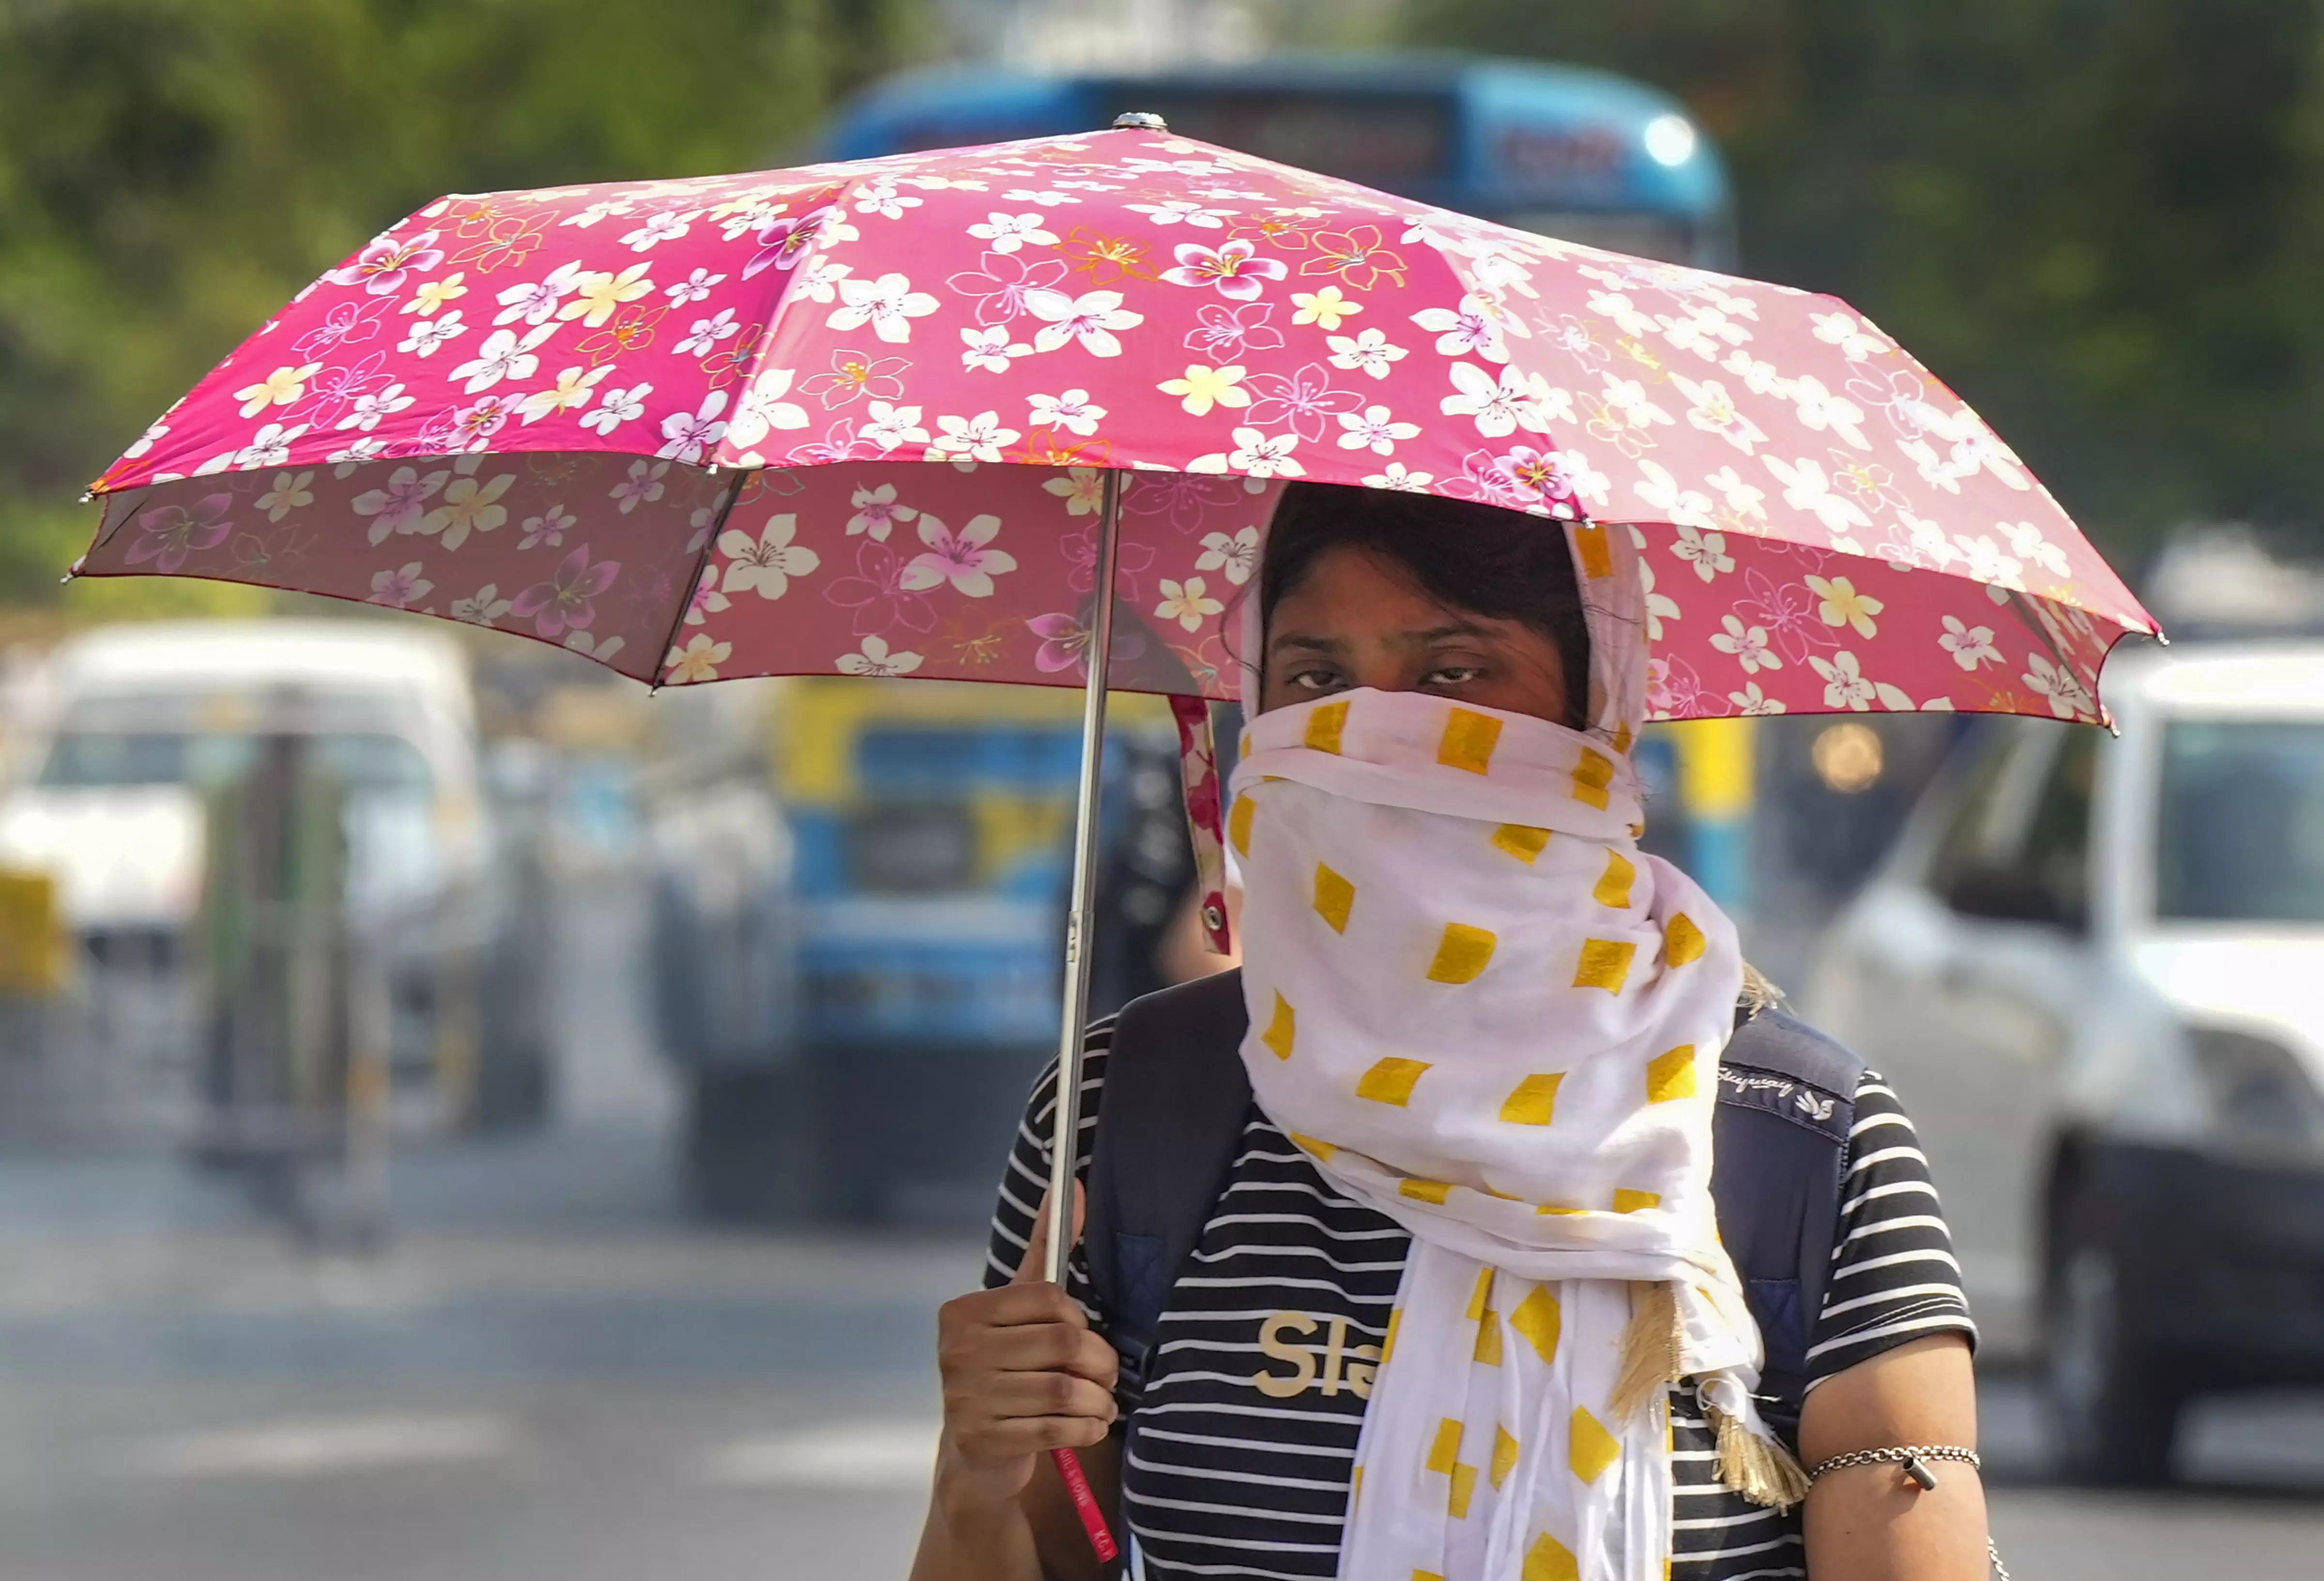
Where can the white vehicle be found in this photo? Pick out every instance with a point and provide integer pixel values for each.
(130, 724)
(2094, 969)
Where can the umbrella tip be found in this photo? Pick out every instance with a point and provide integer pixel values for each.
(1140, 121)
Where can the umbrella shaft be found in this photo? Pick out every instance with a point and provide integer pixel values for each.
(1080, 925)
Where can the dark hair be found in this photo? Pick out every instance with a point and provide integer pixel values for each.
(1466, 555)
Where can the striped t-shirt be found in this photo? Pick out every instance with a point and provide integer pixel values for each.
(1264, 1355)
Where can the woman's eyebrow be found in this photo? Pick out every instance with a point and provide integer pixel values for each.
(1306, 644)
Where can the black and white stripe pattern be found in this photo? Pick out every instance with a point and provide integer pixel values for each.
(1225, 1480)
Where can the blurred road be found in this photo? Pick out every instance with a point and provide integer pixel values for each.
(548, 1374)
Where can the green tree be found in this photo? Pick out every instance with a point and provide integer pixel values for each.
(171, 170)
(2101, 222)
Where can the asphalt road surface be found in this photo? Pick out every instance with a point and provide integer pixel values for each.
(548, 1374)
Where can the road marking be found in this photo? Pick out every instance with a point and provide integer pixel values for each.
(851, 1455)
(329, 1447)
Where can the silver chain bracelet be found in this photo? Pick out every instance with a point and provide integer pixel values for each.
(1913, 1459)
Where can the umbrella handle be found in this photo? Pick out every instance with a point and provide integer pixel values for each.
(1065, 1120)
(1085, 1504)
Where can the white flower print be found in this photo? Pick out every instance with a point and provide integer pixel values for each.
(990, 349)
(1749, 644)
(1474, 327)
(503, 356)
(146, 441)
(961, 558)
(1627, 315)
(1743, 500)
(1843, 605)
(2027, 542)
(1760, 378)
(1806, 487)
(2068, 697)
(1705, 551)
(876, 512)
(686, 435)
(468, 505)
(763, 409)
(1073, 412)
(703, 338)
(1008, 231)
(884, 200)
(1178, 211)
(270, 446)
(549, 528)
(1374, 428)
(1501, 406)
(1091, 318)
(600, 209)
(1753, 703)
(766, 564)
(1682, 508)
(1704, 330)
(353, 456)
(976, 438)
(1856, 341)
(1714, 412)
(287, 495)
(1397, 478)
(1188, 603)
(482, 607)
(1237, 555)
(889, 427)
(618, 407)
(398, 507)
(1845, 686)
(365, 410)
(875, 659)
(1032, 195)
(1367, 349)
(656, 229)
(694, 287)
(398, 588)
(1988, 565)
(1970, 646)
(581, 641)
(537, 302)
(1819, 408)
(642, 486)
(697, 661)
(1255, 455)
(1082, 489)
(1660, 607)
(889, 304)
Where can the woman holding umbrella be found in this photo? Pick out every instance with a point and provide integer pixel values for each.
(1474, 1179)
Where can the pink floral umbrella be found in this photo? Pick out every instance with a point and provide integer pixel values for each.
(914, 416)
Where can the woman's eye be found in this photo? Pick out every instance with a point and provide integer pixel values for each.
(1315, 680)
(1453, 674)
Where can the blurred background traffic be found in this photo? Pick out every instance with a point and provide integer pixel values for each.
(460, 1116)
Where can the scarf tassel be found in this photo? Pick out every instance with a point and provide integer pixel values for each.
(1756, 1466)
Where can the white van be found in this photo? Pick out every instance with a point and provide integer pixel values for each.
(127, 725)
(2094, 970)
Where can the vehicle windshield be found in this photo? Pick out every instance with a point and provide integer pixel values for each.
(2240, 830)
(80, 760)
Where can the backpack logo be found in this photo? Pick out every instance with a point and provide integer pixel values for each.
(1333, 1364)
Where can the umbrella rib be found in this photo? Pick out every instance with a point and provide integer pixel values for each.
(692, 581)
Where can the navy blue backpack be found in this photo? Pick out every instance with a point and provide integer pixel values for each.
(1170, 1122)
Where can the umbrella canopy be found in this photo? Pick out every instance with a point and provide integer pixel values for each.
(630, 418)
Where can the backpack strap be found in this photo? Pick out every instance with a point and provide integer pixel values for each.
(1175, 1099)
(1169, 1120)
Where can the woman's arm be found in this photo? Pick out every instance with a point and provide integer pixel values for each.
(1870, 1522)
(1022, 1374)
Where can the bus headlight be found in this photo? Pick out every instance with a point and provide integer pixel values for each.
(2263, 1099)
(1670, 140)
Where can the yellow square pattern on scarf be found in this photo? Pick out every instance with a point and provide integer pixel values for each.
(1589, 1448)
(1391, 1081)
(1334, 897)
(1489, 1342)
(1423, 1190)
(1238, 823)
(1683, 941)
(1446, 1449)
(1549, 1559)
(1614, 887)
(1505, 1457)
(1468, 740)
(1605, 964)
(1321, 1149)
(1481, 1298)
(1324, 726)
(1626, 1200)
(1593, 776)
(1463, 953)
(1535, 1101)
(1464, 1486)
(1521, 840)
(1597, 554)
(1671, 1075)
(1282, 1030)
(1538, 1321)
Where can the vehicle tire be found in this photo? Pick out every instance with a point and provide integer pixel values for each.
(2113, 1397)
(742, 1160)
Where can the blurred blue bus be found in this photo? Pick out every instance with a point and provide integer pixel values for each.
(1581, 155)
